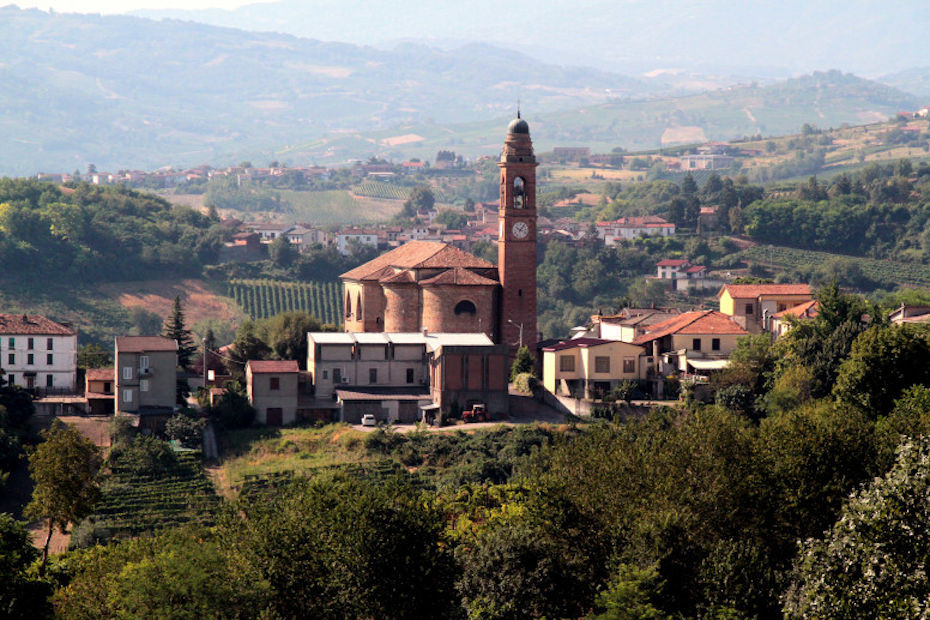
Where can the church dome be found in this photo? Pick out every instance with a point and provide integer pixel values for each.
(518, 125)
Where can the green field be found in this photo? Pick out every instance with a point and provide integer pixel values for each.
(261, 299)
(883, 271)
(327, 207)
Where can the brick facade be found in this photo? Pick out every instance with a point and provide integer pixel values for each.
(438, 287)
(516, 245)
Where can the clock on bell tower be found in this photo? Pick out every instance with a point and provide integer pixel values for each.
(516, 243)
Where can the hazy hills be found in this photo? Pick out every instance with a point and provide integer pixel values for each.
(125, 92)
(827, 99)
(130, 92)
(746, 37)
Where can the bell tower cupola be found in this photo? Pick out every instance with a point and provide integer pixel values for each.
(516, 244)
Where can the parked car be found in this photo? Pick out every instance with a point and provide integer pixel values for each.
(369, 420)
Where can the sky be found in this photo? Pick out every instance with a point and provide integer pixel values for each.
(125, 6)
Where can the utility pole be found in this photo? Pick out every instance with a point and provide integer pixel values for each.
(204, 364)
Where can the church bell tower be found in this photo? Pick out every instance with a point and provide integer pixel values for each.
(516, 242)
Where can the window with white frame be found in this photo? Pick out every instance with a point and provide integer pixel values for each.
(127, 396)
(127, 372)
(144, 385)
(143, 362)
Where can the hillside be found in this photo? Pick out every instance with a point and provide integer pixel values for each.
(126, 92)
(772, 38)
(828, 99)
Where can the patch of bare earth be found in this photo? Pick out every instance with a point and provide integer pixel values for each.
(157, 296)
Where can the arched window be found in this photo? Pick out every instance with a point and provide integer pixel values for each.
(465, 307)
(519, 193)
(358, 306)
(348, 307)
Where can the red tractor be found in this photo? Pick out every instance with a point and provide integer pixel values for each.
(477, 413)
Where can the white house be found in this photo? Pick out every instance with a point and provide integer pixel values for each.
(634, 227)
(362, 237)
(36, 352)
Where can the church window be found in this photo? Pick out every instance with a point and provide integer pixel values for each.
(348, 305)
(519, 193)
(465, 307)
(358, 306)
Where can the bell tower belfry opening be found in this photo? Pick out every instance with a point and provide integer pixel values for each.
(516, 243)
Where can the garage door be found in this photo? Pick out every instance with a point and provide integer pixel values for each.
(273, 416)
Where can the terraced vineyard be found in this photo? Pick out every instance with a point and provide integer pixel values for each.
(883, 271)
(136, 503)
(388, 191)
(261, 299)
(377, 471)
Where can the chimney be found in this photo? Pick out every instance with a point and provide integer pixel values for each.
(425, 331)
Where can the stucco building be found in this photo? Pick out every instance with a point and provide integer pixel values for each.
(38, 353)
(273, 390)
(146, 378)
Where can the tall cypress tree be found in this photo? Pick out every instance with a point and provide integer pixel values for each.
(175, 329)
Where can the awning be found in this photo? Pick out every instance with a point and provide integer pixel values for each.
(430, 407)
(708, 364)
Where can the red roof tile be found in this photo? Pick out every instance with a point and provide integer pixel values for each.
(418, 254)
(32, 325)
(701, 322)
(385, 393)
(751, 291)
(141, 344)
(807, 310)
(459, 276)
(672, 262)
(267, 366)
(100, 374)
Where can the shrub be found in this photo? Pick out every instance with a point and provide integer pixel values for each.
(525, 382)
(186, 429)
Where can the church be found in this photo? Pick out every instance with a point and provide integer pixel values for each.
(433, 286)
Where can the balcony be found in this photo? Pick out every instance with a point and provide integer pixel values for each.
(146, 372)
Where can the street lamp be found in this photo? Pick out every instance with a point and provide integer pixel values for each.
(520, 327)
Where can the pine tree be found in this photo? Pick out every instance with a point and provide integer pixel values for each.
(176, 330)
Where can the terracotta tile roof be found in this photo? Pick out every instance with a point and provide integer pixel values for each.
(98, 395)
(141, 344)
(266, 366)
(648, 221)
(752, 291)
(695, 269)
(417, 254)
(402, 277)
(100, 374)
(578, 343)
(701, 322)
(672, 262)
(459, 276)
(807, 310)
(32, 325)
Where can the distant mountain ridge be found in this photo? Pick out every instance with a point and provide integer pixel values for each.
(747, 37)
(125, 92)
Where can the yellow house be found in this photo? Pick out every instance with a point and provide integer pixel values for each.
(754, 305)
(589, 367)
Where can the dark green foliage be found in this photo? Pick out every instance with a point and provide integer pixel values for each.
(94, 356)
(522, 363)
(144, 456)
(99, 234)
(232, 409)
(883, 362)
(282, 252)
(452, 219)
(21, 595)
(736, 397)
(186, 429)
(872, 563)
(179, 573)
(262, 299)
(338, 548)
(176, 329)
(519, 571)
(420, 198)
